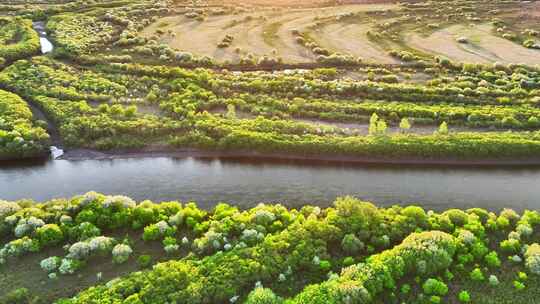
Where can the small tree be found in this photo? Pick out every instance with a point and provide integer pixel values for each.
(381, 127)
(443, 128)
(373, 124)
(404, 125)
(231, 111)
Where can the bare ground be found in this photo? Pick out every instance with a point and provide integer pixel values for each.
(270, 36)
(483, 45)
(352, 39)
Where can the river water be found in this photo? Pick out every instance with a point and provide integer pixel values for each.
(245, 183)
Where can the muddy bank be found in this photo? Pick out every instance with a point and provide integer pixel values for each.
(89, 154)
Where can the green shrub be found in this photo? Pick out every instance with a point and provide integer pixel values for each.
(477, 275)
(144, 261)
(518, 285)
(351, 244)
(49, 234)
(263, 296)
(492, 260)
(464, 297)
(435, 287)
(17, 296)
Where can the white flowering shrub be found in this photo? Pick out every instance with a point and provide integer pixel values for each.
(177, 219)
(493, 280)
(11, 220)
(524, 230)
(263, 217)
(22, 229)
(65, 219)
(162, 227)
(88, 198)
(185, 241)
(514, 235)
(118, 200)
(79, 251)
(50, 264)
(210, 240)
(27, 226)
(69, 266)
(19, 247)
(466, 237)
(532, 258)
(101, 244)
(8, 208)
(251, 236)
(156, 231)
(121, 253)
(516, 259)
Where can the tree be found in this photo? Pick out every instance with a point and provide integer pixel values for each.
(443, 128)
(404, 125)
(381, 127)
(377, 126)
(231, 111)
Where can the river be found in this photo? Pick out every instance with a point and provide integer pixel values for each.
(245, 183)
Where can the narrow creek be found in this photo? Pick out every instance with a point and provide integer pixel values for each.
(46, 45)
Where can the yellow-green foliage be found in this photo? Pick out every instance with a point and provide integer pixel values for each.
(18, 135)
(17, 39)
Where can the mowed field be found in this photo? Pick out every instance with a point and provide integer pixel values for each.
(272, 28)
(269, 32)
(482, 45)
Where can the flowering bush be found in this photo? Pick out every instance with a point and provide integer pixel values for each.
(101, 245)
(121, 253)
(8, 208)
(50, 264)
(493, 280)
(237, 248)
(532, 258)
(19, 247)
(69, 266)
(157, 231)
(118, 200)
(170, 245)
(79, 251)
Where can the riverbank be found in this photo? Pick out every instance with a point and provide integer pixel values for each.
(89, 154)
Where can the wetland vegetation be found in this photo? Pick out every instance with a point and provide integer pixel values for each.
(417, 82)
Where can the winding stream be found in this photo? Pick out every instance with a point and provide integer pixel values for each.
(46, 45)
(245, 183)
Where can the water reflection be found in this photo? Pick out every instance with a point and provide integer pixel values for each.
(245, 182)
